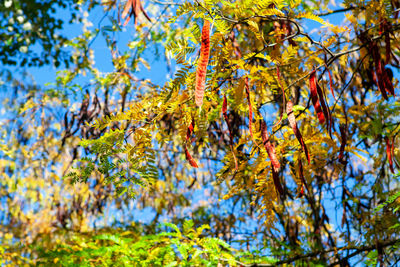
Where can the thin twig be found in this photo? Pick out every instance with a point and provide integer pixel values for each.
(165, 3)
(338, 11)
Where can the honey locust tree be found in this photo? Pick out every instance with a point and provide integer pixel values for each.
(272, 140)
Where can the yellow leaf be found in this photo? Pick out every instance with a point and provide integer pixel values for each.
(309, 15)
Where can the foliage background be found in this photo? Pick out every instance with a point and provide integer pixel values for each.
(92, 158)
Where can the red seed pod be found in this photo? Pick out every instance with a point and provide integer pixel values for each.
(190, 130)
(135, 8)
(318, 99)
(385, 29)
(301, 192)
(389, 150)
(293, 124)
(301, 174)
(303, 181)
(225, 115)
(314, 97)
(202, 64)
(325, 109)
(277, 182)
(384, 83)
(269, 147)
(331, 83)
(190, 158)
(224, 106)
(272, 155)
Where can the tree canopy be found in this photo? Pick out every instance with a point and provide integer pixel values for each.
(200, 133)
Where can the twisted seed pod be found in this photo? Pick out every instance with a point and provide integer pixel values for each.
(314, 98)
(272, 155)
(293, 124)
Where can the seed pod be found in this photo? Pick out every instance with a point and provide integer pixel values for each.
(293, 124)
(330, 82)
(188, 135)
(202, 64)
(389, 149)
(190, 130)
(318, 99)
(272, 155)
(314, 98)
(384, 82)
(325, 109)
(225, 114)
(190, 158)
(343, 134)
(302, 179)
(135, 7)
(385, 29)
(277, 182)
